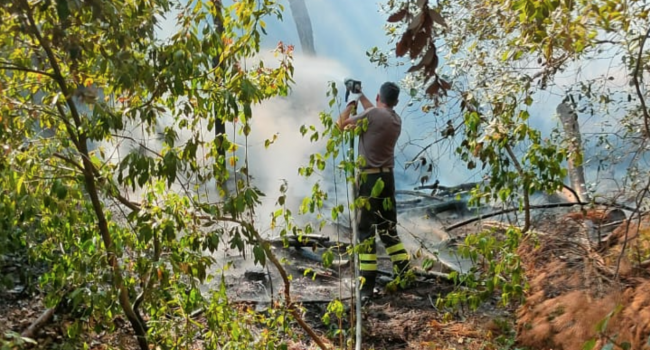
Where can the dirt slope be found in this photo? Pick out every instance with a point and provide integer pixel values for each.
(583, 292)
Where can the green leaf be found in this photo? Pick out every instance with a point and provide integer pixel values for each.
(62, 10)
(427, 264)
(378, 188)
(259, 255)
(328, 258)
(589, 345)
(19, 184)
(59, 189)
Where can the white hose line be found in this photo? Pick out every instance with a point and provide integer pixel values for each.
(355, 255)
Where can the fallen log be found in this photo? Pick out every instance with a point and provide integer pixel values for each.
(418, 194)
(409, 203)
(453, 205)
(306, 241)
(449, 190)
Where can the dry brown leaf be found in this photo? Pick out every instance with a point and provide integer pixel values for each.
(429, 56)
(404, 44)
(418, 44)
(435, 324)
(415, 67)
(433, 89)
(428, 72)
(433, 65)
(398, 16)
(429, 60)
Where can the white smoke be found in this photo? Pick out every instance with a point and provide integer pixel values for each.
(278, 119)
(283, 117)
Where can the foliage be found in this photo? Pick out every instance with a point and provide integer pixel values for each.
(123, 224)
(502, 57)
(496, 269)
(16, 225)
(334, 319)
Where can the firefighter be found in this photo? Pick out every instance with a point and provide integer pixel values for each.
(377, 146)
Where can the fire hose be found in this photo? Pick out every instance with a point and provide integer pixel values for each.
(354, 87)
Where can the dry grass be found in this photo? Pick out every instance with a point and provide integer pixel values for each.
(574, 287)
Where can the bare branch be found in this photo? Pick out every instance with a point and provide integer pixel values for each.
(10, 66)
(540, 206)
(635, 79)
(41, 321)
(419, 194)
(428, 146)
(69, 161)
(139, 143)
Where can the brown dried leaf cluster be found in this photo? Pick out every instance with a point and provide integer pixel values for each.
(418, 41)
(573, 289)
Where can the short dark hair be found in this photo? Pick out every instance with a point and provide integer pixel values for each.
(389, 93)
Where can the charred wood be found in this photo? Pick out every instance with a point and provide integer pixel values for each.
(307, 241)
(458, 206)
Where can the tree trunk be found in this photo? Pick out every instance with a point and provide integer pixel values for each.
(569, 120)
(303, 25)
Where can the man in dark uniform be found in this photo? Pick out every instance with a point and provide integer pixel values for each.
(377, 146)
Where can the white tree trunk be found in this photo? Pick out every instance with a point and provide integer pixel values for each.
(569, 120)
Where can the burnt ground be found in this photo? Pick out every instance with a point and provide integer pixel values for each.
(410, 320)
(575, 284)
(402, 320)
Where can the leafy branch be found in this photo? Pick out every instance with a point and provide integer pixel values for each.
(87, 166)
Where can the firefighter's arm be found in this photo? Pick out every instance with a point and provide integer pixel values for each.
(344, 119)
(365, 102)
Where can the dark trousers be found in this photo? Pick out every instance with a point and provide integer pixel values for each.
(378, 215)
